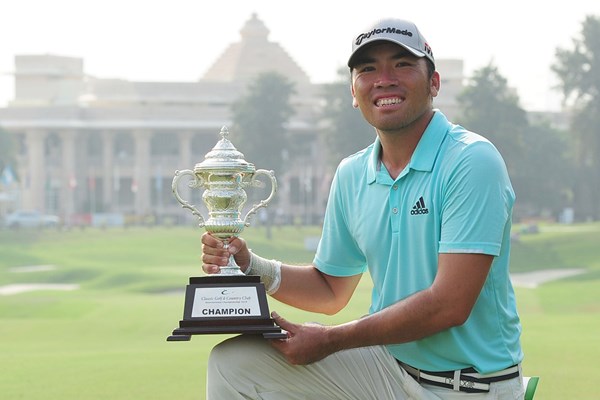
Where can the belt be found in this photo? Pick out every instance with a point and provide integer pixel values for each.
(463, 380)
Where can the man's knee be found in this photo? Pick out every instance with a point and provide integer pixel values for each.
(239, 352)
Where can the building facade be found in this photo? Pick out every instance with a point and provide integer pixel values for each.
(90, 146)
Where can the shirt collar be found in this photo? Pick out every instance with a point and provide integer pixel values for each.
(428, 147)
(373, 166)
(425, 153)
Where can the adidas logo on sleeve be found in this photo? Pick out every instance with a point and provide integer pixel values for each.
(419, 208)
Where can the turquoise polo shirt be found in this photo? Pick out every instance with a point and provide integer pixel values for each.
(454, 196)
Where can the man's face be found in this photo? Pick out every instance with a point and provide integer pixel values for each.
(392, 87)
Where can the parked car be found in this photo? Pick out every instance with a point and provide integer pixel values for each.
(30, 219)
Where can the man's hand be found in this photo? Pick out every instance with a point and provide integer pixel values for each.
(215, 255)
(305, 344)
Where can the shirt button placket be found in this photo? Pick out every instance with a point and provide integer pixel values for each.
(395, 211)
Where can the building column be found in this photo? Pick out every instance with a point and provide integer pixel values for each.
(69, 175)
(141, 173)
(108, 175)
(185, 162)
(34, 196)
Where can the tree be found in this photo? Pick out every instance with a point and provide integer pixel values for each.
(260, 119)
(491, 108)
(344, 128)
(578, 70)
(542, 183)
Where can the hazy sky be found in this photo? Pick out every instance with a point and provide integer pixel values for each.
(177, 40)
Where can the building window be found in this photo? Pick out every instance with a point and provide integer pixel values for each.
(202, 144)
(124, 147)
(94, 144)
(164, 144)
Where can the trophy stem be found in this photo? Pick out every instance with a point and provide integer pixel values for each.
(231, 268)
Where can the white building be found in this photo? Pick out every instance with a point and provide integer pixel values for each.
(88, 145)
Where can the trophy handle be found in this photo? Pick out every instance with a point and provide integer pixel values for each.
(196, 182)
(257, 183)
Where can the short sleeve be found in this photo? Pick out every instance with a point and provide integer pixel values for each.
(338, 253)
(477, 202)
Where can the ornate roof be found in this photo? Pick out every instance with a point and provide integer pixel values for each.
(252, 55)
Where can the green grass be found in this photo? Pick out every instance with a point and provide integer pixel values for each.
(107, 339)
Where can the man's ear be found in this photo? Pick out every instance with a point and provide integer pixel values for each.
(435, 84)
(354, 102)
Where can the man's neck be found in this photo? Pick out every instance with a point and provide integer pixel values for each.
(397, 147)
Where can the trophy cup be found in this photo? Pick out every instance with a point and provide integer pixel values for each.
(228, 302)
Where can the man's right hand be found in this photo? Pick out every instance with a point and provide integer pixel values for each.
(215, 255)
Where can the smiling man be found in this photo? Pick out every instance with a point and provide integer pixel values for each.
(426, 210)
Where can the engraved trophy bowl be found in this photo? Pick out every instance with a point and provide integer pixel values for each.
(224, 174)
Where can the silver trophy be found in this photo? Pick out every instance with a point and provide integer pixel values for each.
(224, 174)
(228, 302)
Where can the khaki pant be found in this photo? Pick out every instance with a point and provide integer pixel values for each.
(247, 367)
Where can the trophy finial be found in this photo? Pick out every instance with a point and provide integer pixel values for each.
(224, 132)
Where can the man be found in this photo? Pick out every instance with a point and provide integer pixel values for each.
(426, 210)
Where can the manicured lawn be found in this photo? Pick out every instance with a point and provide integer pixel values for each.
(106, 340)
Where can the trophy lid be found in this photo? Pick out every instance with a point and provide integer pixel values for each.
(224, 156)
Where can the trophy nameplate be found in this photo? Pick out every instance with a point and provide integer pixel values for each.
(226, 304)
(230, 302)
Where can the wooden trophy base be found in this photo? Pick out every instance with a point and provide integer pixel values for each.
(226, 304)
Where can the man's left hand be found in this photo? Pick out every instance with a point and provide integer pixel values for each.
(306, 343)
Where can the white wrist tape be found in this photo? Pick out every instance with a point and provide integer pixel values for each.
(268, 270)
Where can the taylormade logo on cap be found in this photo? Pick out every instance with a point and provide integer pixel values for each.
(401, 32)
(377, 31)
